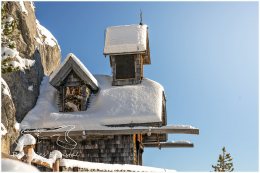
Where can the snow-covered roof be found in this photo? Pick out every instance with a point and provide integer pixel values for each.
(69, 163)
(126, 39)
(72, 62)
(112, 105)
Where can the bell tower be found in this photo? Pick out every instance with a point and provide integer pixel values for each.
(128, 49)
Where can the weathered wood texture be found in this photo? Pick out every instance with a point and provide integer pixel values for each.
(164, 111)
(146, 56)
(127, 69)
(168, 145)
(103, 149)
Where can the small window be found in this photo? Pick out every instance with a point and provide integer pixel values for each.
(125, 66)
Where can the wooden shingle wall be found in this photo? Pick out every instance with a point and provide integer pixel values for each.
(103, 149)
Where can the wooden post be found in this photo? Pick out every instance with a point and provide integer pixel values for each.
(28, 151)
(56, 166)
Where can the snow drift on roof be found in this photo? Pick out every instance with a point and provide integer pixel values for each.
(125, 39)
(112, 105)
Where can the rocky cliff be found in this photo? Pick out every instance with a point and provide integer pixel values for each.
(28, 52)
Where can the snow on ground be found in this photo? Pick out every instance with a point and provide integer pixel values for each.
(5, 88)
(45, 36)
(9, 165)
(69, 163)
(21, 3)
(80, 64)
(112, 105)
(15, 60)
(125, 39)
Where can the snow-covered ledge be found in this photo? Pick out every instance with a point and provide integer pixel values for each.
(105, 130)
(69, 164)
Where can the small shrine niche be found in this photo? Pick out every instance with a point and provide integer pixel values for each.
(75, 96)
(75, 84)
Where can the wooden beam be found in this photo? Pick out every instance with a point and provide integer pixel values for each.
(28, 151)
(56, 166)
(168, 144)
(120, 131)
(40, 163)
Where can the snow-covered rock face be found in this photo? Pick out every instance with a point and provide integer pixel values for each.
(45, 36)
(22, 7)
(8, 119)
(12, 58)
(32, 61)
(3, 130)
(5, 88)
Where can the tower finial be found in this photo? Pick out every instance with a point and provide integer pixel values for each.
(141, 18)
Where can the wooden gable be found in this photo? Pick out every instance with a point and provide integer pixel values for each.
(72, 65)
(74, 84)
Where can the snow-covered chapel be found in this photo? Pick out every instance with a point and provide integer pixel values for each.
(102, 118)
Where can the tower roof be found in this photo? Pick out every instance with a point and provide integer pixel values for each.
(127, 39)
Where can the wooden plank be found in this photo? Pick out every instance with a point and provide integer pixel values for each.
(126, 131)
(168, 144)
(40, 163)
(56, 166)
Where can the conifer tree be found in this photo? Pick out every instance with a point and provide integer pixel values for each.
(225, 163)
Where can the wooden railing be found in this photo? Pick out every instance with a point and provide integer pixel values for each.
(28, 158)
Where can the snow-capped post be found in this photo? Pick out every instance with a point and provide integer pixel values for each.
(56, 166)
(55, 156)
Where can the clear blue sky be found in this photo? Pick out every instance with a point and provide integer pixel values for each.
(205, 54)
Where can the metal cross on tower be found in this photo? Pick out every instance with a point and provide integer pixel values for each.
(141, 17)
